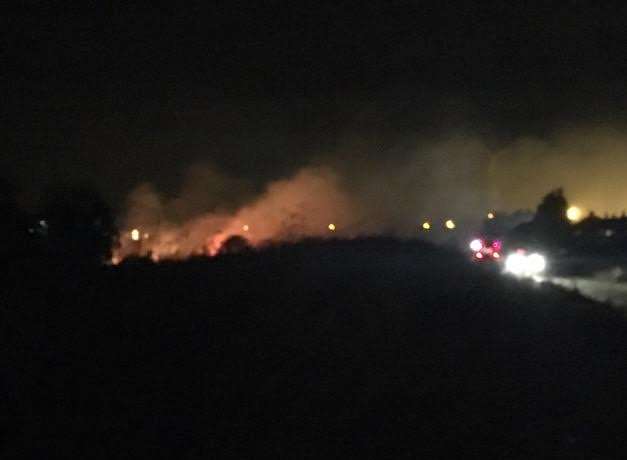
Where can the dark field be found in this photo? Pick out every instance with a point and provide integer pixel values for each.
(363, 349)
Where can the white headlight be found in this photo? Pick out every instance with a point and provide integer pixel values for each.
(515, 264)
(522, 265)
(536, 264)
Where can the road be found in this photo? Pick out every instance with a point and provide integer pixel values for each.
(610, 291)
(597, 278)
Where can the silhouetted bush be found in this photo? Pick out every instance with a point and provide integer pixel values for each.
(235, 244)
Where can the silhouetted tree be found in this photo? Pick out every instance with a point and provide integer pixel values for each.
(549, 227)
(77, 223)
(552, 210)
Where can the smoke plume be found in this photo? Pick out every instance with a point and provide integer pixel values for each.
(371, 184)
(310, 203)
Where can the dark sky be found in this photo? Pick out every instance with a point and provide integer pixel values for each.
(115, 95)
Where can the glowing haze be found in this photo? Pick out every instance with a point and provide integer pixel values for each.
(305, 204)
(364, 187)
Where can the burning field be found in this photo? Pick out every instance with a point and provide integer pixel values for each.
(309, 204)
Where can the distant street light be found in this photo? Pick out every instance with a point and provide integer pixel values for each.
(449, 224)
(490, 215)
(331, 227)
(135, 234)
(426, 226)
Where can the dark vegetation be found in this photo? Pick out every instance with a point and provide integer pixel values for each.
(234, 245)
(72, 224)
(364, 349)
(13, 223)
(78, 225)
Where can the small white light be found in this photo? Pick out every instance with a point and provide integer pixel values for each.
(476, 245)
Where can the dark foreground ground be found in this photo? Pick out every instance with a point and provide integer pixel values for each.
(369, 349)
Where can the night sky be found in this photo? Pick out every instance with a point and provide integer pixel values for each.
(117, 95)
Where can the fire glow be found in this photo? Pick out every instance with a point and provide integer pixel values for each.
(288, 210)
